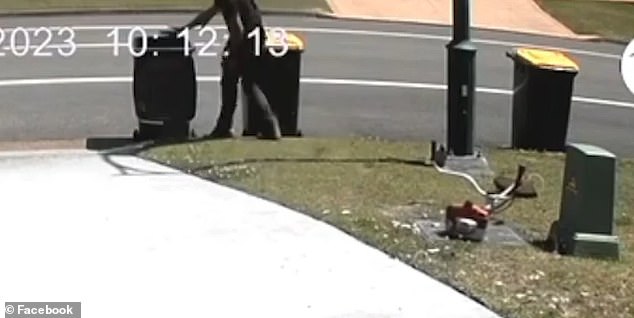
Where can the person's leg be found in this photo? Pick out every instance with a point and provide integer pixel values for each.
(229, 96)
(252, 79)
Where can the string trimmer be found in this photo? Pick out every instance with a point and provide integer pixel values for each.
(469, 221)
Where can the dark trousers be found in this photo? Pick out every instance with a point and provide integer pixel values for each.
(248, 67)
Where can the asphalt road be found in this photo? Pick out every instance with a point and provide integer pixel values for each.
(361, 78)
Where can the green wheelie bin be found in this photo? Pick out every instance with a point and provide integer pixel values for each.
(543, 82)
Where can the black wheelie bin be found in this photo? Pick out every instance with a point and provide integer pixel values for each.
(282, 89)
(543, 83)
(164, 88)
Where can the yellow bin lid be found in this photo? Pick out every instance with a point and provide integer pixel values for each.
(548, 59)
(274, 39)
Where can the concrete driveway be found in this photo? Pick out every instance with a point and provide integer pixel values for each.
(131, 238)
(513, 15)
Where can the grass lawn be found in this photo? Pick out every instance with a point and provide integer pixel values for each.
(12, 5)
(610, 19)
(384, 196)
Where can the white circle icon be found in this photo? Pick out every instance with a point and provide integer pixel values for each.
(627, 66)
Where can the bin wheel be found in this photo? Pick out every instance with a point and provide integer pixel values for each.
(148, 131)
(247, 133)
(137, 136)
(296, 133)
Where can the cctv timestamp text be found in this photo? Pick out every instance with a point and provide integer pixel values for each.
(137, 42)
(37, 42)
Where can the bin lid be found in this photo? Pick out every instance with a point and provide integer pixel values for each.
(547, 59)
(274, 39)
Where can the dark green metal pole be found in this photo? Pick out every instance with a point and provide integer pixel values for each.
(461, 82)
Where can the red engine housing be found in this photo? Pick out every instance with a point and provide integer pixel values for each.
(458, 215)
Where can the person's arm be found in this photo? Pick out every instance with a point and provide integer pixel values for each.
(202, 18)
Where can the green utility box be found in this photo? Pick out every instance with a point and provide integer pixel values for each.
(281, 87)
(542, 94)
(586, 224)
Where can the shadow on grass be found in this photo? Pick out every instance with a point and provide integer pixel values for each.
(313, 160)
(108, 143)
(543, 245)
(127, 145)
(110, 147)
(116, 146)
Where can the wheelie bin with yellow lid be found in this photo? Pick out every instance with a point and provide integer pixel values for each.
(283, 72)
(543, 83)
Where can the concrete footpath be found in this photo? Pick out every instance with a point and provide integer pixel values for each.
(512, 15)
(131, 238)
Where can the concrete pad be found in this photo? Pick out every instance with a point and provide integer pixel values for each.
(475, 166)
(131, 238)
(496, 234)
(512, 15)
